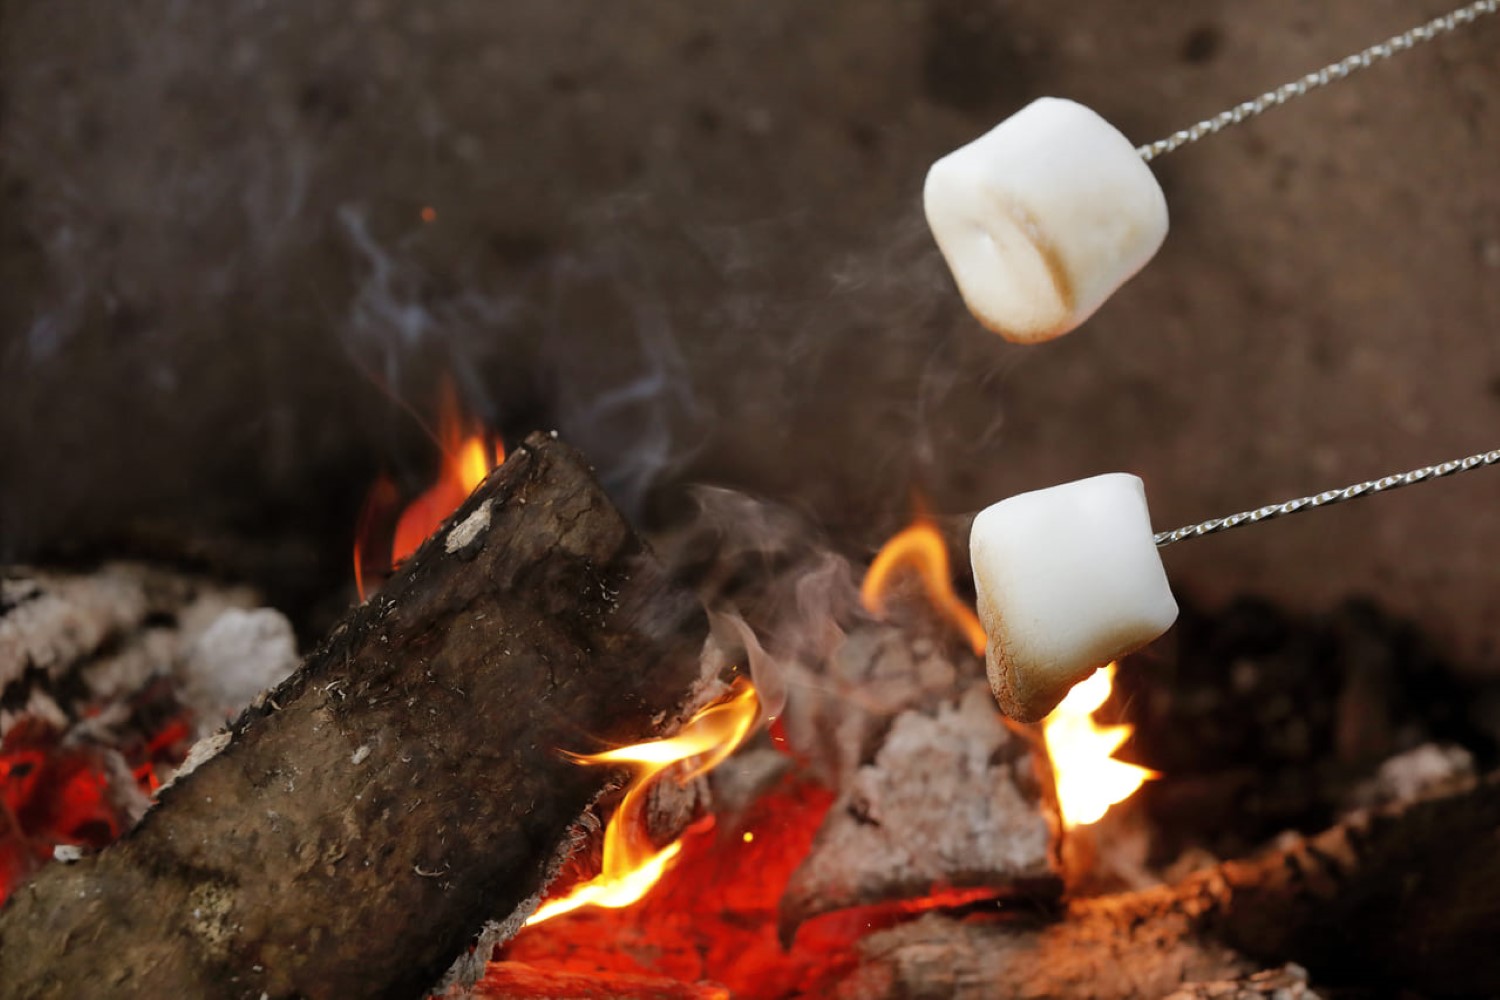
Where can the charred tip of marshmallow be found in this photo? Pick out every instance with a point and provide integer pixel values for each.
(1068, 579)
(1024, 693)
(1043, 217)
(1024, 703)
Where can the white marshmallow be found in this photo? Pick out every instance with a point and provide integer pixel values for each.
(1068, 578)
(1043, 217)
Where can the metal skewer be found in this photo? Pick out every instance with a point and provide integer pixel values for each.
(1249, 109)
(1328, 498)
(1320, 78)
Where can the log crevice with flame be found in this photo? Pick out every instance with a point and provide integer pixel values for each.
(364, 818)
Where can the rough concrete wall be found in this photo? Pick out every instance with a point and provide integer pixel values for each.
(689, 236)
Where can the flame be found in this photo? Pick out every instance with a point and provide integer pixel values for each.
(631, 864)
(1089, 779)
(469, 452)
(466, 461)
(920, 547)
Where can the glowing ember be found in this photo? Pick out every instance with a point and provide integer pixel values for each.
(920, 548)
(50, 794)
(1089, 779)
(469, 452)
(631, 864)
(713, 916)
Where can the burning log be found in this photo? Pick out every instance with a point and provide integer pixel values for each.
(953, 801)
(1402, 898)
(363, 819)
(1091, 953)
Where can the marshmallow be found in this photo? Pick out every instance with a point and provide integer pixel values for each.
(1068, 579)
(1043, 217)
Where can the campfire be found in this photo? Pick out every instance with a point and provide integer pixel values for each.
(875, 812)
(559, 734)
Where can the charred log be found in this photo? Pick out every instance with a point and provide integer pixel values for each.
(363, 819)
(1088, 954)
(1402, 898)
(954, 800)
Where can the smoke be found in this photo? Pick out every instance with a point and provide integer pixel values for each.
(781, 601)
(584, 344)
(628, 414)
(394, 317)
(728, 631)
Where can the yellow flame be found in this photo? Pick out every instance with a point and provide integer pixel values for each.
(613, 893)
(466, 462)
(1089, 779)
(631, 866)
(920, 547)
(473, 463)
(469, 454)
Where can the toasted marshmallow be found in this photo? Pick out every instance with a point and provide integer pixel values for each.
(1068, 578)
(1043, 217)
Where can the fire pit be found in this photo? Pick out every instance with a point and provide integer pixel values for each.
(574, 723)
(887, 832)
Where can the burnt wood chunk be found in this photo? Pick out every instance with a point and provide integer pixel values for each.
(1405, 897)
(366, 817)
(955, 799)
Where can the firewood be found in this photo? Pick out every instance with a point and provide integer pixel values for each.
(1403, 898)
(954, 799)
(1086, 954)
(370, 813)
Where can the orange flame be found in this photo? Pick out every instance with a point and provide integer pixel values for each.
(1089, 779)
(921, 548)
(631, 864)
(469, 452)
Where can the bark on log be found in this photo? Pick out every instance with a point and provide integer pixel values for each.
(367, 816)
(1402, 898)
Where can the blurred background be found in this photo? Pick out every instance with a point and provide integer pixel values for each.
(241, 242)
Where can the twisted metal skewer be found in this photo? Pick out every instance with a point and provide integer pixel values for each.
(1328, 497)
(1320, 78)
